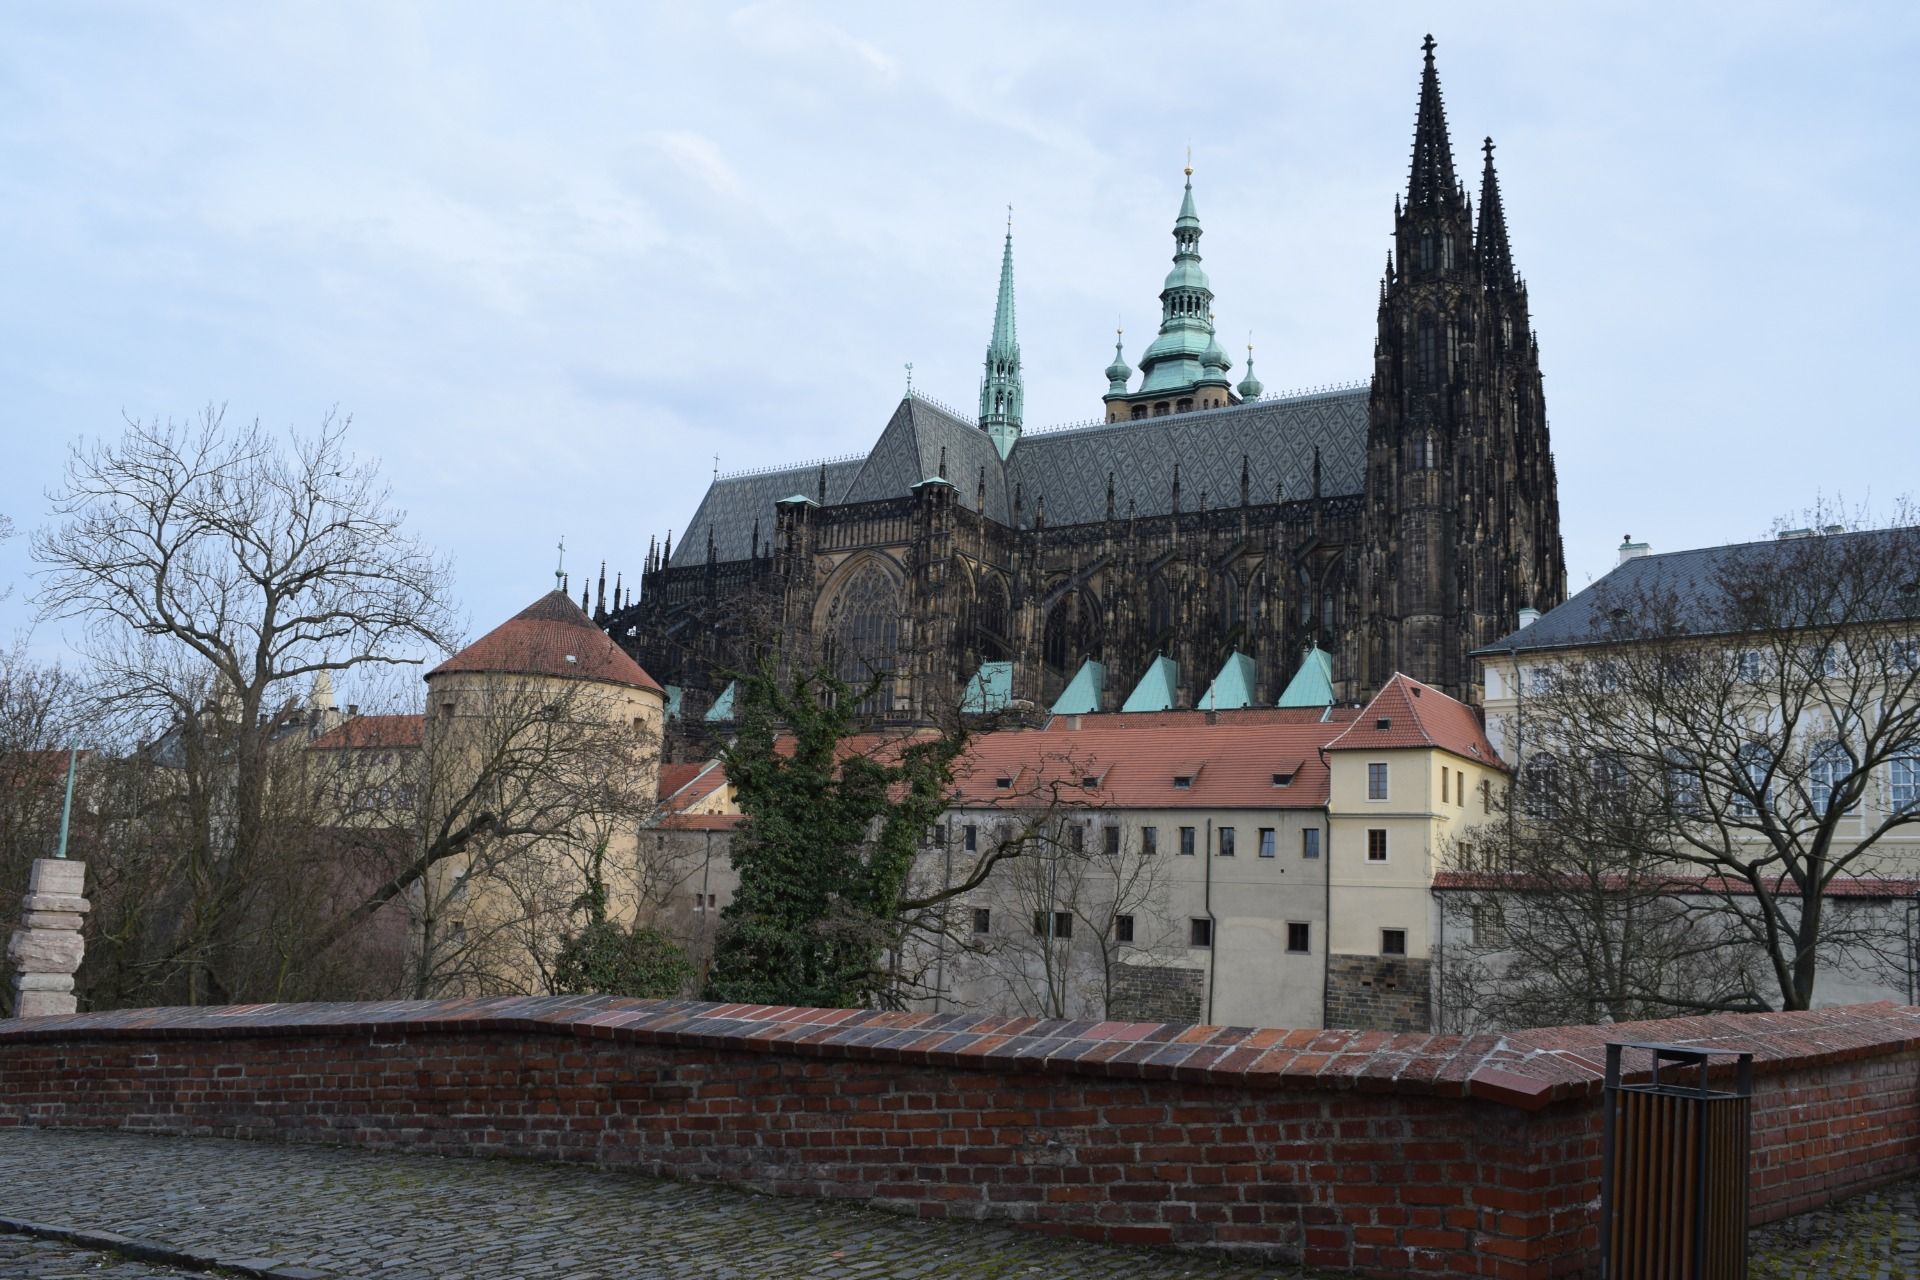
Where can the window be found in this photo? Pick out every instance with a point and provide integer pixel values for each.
(1183, 782)
(1376, 845)
(1076, 837)
(1828, 767)
(1540, 787)
(1266, 842)
(1226, 842)
(1393, 942)
(1110, 840)
(1752, 666)
(1376, 781)
(1003, 783)
(1123, 928)
(1460, 788)
(1904, 657)
(1489, 925)
(1755, 765)
(1310, 843)
(1299, 937)
(1444, 787)
(1149, 840)
(1425, 354)
(983, 920)
(1199, 932)
(970, 837)
(446, 708)
(1283, 779)
(1903, 777)
(1062, 922)
(1683, 782)
(1186, 841)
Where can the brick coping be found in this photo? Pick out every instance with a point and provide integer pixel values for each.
(1527, 1070)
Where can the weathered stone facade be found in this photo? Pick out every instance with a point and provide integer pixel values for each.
(1379, 993)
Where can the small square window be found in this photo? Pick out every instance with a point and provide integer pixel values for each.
(1123, 928)
(1376, 781)
(1149, 840)
(1376, 845)
(1299, 937)
(1062, 922)
(983, 920)
(1267, 842)
(1199, 932)
(1110, 840)
(1310, 843)
(970, 837)
(1393, 942)
(1183, 782)
(1283, 779)
(1003, 783)
(1186, 841)
(1226, 842)
(1091, 782)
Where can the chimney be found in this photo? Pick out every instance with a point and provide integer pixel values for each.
(1630, 550)
(353, 709)
(1530, 616)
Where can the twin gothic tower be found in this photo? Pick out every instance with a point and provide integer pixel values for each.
(1203, 527)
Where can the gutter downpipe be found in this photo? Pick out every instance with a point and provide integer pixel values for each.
(1213, 923)
(1326, 889)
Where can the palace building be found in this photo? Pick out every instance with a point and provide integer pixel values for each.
(1193, 549)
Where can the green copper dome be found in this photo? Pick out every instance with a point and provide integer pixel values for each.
(1250, 387)
(1119, 371)
(1184, 354)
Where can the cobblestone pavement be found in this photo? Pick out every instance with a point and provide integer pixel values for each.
(24, 1258)
(403, 1217)
(1874, 1236)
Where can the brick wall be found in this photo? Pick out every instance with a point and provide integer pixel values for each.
(1379, 1153)
(1379, 993)
(1160, 993)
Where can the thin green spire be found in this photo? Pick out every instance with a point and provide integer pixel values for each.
(1001, 390)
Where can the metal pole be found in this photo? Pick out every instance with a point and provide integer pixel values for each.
(66, 809)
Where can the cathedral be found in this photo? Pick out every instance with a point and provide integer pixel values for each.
(1202, 545)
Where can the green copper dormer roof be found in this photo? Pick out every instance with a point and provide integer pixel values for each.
(1081, 697)
(796, 497)
(991, 689)
(1250, 387)
(722, 709)
(1312, 684)
(673, 701)
(1002, 390)
(1233, 687)
(1156, 688)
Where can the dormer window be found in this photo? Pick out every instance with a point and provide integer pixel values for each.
(1283, 779)
(1384, 723)
(1091, 781)
(1004, 784)
(1183, 782)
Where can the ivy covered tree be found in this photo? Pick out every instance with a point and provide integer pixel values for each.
(607, 958)
(832, 824)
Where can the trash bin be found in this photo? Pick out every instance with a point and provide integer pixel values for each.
(1674, 1157)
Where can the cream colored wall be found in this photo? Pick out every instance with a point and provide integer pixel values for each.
(1367, 897)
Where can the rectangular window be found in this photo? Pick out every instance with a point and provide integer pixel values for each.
(1376, 781)
(1904, 779)
(1310, 843)
(1393, 942)
(1444, 796)
(1183, 782)
(1110, 840)
(1076, 837)
(1123, 928)
(1062, 922)
(1226, 842)
(1149, 840)
(1199, 932)
(983, 920)
(970, 837)
(1186, 841)
(1460, 788)
(1376, 845)
(1299, 937)
(1266, 842)
(1489, 925)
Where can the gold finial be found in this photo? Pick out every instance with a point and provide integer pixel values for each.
(1189, 159)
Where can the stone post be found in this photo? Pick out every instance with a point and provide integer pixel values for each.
(45, 950)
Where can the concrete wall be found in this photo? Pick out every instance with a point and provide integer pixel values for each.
(1374, 1153)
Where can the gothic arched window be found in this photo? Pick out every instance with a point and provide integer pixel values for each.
(863, 629)
(1159, 613)
(1425, 355)
(990, 618)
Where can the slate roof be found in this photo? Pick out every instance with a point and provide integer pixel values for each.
(1417, 715)
(1064, 469)
(550, 637)
(1691, 579)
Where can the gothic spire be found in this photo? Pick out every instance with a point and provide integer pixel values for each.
(1496, 257)
(1001, 390)
(1431, 182)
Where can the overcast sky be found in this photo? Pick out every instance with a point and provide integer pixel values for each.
(553, 258)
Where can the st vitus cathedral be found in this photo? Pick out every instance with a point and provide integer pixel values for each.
(1197, 548)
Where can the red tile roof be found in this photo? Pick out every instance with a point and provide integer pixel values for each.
(371, 731)
(1228, 766)
(550, 637)
(684, 785)
(1165, 719)
(1417, 715)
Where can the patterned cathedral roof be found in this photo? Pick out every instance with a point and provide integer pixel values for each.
(1065, 471)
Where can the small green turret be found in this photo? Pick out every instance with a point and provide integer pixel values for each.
(1250, 387)
(1119, 371)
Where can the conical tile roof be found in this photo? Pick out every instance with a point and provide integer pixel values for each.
(550, 637)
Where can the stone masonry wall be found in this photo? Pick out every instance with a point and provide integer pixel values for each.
(1158, 993)
(1378, 993)
(1381, 1154)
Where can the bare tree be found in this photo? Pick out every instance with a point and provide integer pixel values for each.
(216, 570)
(1706, 775)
